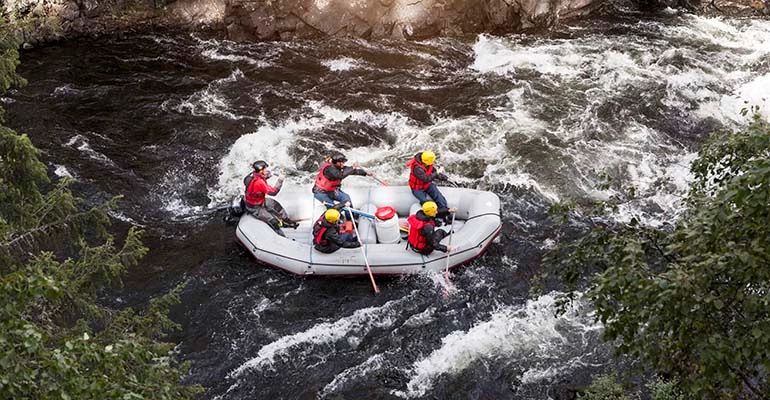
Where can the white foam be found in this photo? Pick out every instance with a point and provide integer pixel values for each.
(179, 207)
(272, 142)
(607, 70)
(208, 101)
(82, 144)
(346, 328)
(510, 332)
(350, 375)
(175, 181)
(62, 171)
(592, 69)
(498, 56)
(753, 93)
(65, 90)
(423, 318)
(216, 54)
(752, 35)
(341, 64)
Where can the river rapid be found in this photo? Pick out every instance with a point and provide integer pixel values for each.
(173, 121)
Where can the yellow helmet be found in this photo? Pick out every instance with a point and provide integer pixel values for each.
(332, 216)
(429, 208)
(428, 157)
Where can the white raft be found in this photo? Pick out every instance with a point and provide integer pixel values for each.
(477, 223)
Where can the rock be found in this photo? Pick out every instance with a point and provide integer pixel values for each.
(249, 20)
(197, 12)
(236, 32)
(69, 11)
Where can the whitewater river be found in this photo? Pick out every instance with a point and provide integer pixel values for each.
(172, 122)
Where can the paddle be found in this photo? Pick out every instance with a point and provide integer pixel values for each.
(366, 260)
(352, 210)
(449, 247)
(383, 183)
(361, 213)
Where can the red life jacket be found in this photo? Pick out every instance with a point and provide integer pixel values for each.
(254, 196)
(319, 229)
(324, 183)
(416, 239)
(414, 182)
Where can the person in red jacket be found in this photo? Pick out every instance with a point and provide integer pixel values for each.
(263, 208)
(330, 176)
(423, 235)
(326, 233)
(422, 173)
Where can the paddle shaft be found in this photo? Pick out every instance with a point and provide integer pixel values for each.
(383, 183)
(449, 246)
(366, 260)
(354, 211)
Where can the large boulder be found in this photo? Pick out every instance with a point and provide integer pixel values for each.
(412, 19)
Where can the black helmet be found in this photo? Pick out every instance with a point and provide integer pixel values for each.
(259, 165)
(337, 157)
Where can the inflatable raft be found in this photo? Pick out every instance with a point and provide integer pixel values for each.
(477, 223)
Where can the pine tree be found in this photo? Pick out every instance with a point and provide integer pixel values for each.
(56, 341)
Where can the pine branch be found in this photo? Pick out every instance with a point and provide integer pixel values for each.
(28, 236)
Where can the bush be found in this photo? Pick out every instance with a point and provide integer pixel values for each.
(692, 300)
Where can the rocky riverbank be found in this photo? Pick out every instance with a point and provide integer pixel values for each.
(251, 20)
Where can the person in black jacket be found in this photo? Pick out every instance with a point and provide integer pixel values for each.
(423, 235)
(329, 179)
(326, 234)
(422, 174)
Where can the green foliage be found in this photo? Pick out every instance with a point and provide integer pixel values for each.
(692, 300)
(56, 341)
(662, 390)
(604, 387)
(9, 60)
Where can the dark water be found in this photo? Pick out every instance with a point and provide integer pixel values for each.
(172, 122)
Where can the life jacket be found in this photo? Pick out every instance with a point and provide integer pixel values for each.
(416, 239)
(319, 230)
(324, 183)
(347, 227)
(254, 197)
(414, 182)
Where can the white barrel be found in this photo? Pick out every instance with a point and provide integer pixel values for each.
(366, 228)
(386, 225)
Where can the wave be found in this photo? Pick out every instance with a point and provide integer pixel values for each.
(511, 332)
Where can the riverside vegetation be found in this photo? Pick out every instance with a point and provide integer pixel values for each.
(691, 299)
(56, 254)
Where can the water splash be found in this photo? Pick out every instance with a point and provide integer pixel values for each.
(529, 331)
(303, 343)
